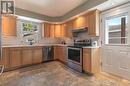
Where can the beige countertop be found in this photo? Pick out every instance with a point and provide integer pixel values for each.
(40, 45)
(92, 47)
(35, 45)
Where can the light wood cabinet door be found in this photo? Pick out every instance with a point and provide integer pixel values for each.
(9, 25)
(63, 30)
(93, 23)
(60, 53)
(64, 54)
(46, 28)
(5, 58)
(91, 60)
(15, 57)
(56, 52)
(27, 56)
(87, 60)
(52, 30)
(80, 22)
(58, 30)
(69, 27)
(37, 55)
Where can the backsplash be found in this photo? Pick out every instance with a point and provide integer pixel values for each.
(84, 35)
(12, 40)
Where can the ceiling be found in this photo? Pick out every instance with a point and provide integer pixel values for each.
(110, 4)
(52, 8)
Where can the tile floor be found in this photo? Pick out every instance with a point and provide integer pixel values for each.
(53, 74)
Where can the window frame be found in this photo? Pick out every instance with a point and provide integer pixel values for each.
(106, 34)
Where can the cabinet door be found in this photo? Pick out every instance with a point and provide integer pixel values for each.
(37, 55)
(80, 22)
(63, 31)
(5, 58)
(15, 57)
(27, 56)
(63, 56)
(58, 30)
(9, 26)
(46, 28)
(69, 27)
(56, 53)
(60, 53)
(93, 23)
(52, 31)
(87, 60)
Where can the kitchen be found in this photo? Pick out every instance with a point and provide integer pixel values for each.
(38, 50)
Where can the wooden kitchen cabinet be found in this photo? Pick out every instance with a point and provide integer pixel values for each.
(9, 25)
(60, 53)
(46, 28)
(15, 57)
(63, 30)
(69, 27)
(58, 30)
(54, 30)
(5, 58)
(37, 55)
(91, 60)
(27, 56)
(80, 22)
(93, 23)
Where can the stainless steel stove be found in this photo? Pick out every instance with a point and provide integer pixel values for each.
(75, 54)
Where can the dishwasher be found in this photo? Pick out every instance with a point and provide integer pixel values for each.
(48, 53)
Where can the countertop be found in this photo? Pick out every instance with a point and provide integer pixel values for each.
(42, 45)
(92, 47)
(35, 45)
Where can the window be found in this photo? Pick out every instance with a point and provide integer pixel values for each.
(29, 31)
(116, 30)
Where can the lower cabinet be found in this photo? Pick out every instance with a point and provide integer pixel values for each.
(27, 56)
(5, 58)
(37, 55)
(91, 60)
(15, 57)
(21, 56)
(60, 53)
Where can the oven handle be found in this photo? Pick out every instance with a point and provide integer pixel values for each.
(75, 48)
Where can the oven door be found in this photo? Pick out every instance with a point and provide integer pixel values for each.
(75, 55)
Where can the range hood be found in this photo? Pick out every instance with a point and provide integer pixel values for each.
(80, 30)
(76, 32)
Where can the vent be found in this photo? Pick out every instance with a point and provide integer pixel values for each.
(80, 30)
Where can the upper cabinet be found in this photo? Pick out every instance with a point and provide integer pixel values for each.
(90, 20)
(54, 30)
(46, 29)
(9, 25)
(69, 25)
(80, 22)
(58, 30)
(93, 23)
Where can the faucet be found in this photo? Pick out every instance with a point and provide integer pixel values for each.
(30, 41)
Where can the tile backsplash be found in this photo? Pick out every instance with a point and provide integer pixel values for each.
(12, 40)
